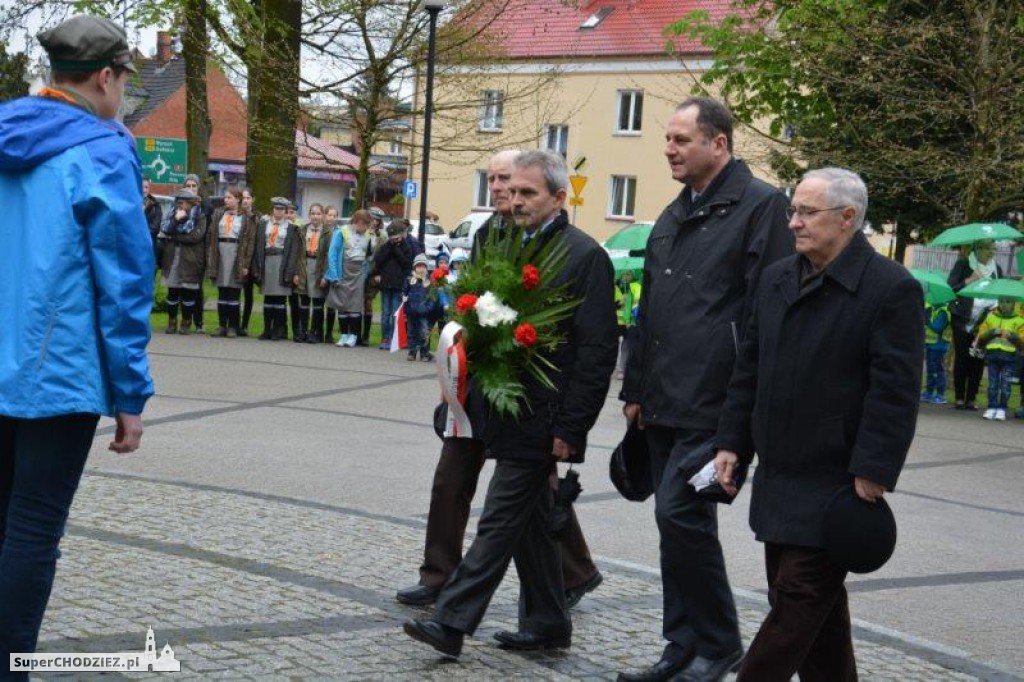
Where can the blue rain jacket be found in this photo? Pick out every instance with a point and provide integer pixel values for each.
(76, 264)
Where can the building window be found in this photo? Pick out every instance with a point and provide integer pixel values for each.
(622, 197)
(492, 111)
(396, 146)
(631, 109)
(481, 195)
(556, 139)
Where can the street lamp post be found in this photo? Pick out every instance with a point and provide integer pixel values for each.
(433, 8)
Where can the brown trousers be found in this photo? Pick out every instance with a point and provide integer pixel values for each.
(455, 479)
(807, 630)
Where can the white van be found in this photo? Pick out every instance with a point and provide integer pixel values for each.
(462, 236)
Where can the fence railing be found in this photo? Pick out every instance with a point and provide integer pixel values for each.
(942, 260)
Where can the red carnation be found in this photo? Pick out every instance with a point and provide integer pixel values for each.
(439, 274)
(526, 334)
(531, 277)
(465, 303)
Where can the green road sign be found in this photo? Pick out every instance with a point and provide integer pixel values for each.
(164, 160)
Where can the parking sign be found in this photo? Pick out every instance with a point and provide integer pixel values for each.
(409, 189)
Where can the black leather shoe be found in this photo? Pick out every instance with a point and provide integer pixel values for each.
(574, 594)
(418, 595)
(660, 671)
(710, 669)
(528, 641)
(443, 638)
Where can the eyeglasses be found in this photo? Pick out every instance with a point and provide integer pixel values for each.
(805, 212)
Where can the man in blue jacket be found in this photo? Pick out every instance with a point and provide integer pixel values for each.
(76, 279)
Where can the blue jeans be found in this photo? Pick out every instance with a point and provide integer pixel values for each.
(41, 463)
(418, 329)
(1001, 368)
(390, 299)
(936, 369)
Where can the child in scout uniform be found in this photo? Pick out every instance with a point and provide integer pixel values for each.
(312, 265)
(229, 247)
(936, 343)
(184, 232)
(277, 249)
(330, 225)
(346, 275)
(419, 308)
(254, 218)
(1000, 337)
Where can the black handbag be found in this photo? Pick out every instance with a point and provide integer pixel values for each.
(630, 466)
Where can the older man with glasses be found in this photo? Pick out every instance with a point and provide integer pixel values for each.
(825, 391)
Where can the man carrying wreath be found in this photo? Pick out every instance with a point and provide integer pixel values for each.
(514, 522)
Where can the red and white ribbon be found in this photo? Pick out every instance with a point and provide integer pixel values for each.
(452, 368)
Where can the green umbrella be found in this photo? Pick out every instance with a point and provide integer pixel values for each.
(630, 238)
(631, 263)
(994, 288)
(936, 290)
(976, 232)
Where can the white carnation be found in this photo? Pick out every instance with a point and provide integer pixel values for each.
(491, 311)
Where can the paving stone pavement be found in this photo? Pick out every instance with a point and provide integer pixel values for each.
(251, 586)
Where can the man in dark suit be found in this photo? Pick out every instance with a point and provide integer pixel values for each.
(826, 393)
(458, 470)
(702, 262)
(514, 522)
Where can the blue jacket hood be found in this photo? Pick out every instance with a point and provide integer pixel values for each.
(35, 129)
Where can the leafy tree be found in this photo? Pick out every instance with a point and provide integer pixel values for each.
(923, 97)
(13, 70)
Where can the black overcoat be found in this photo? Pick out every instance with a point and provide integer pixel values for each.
(826, 387)
(701, 265)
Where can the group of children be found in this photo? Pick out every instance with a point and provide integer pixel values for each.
(318, 270)
(998, 339)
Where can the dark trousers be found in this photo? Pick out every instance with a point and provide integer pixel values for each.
(807, 629)
(197, 311)
(186, 299)
(967, 370)
(513, 526)
(298, 312)
(935, 363)
(41, 463)
(455, 479)
(314, 322)
(699, 610)
(250, 296)
(228, 307)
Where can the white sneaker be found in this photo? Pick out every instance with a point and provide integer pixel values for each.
(1000, 415)
(341, 341)
(989, 414)
(350, 340)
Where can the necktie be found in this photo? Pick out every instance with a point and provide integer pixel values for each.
(314, 239)
(227, 225)
(273, 235)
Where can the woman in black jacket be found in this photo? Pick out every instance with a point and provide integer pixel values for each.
(393, 262)
(974, 264)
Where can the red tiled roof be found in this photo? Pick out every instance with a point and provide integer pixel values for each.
(551, 28)
(315, 154)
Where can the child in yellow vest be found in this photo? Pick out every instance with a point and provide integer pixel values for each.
(1000, 337)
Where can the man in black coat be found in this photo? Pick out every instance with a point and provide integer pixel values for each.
(826, 393)
(458, 470)
(514, 522)
(703, 260)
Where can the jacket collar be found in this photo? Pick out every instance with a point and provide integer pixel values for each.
(846, 270)
(727, 188)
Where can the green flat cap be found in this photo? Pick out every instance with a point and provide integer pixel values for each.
(84, 43)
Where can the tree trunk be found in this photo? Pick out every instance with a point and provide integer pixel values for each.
(196, 47)
(273, 102)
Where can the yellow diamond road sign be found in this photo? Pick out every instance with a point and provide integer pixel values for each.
(578, 182)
